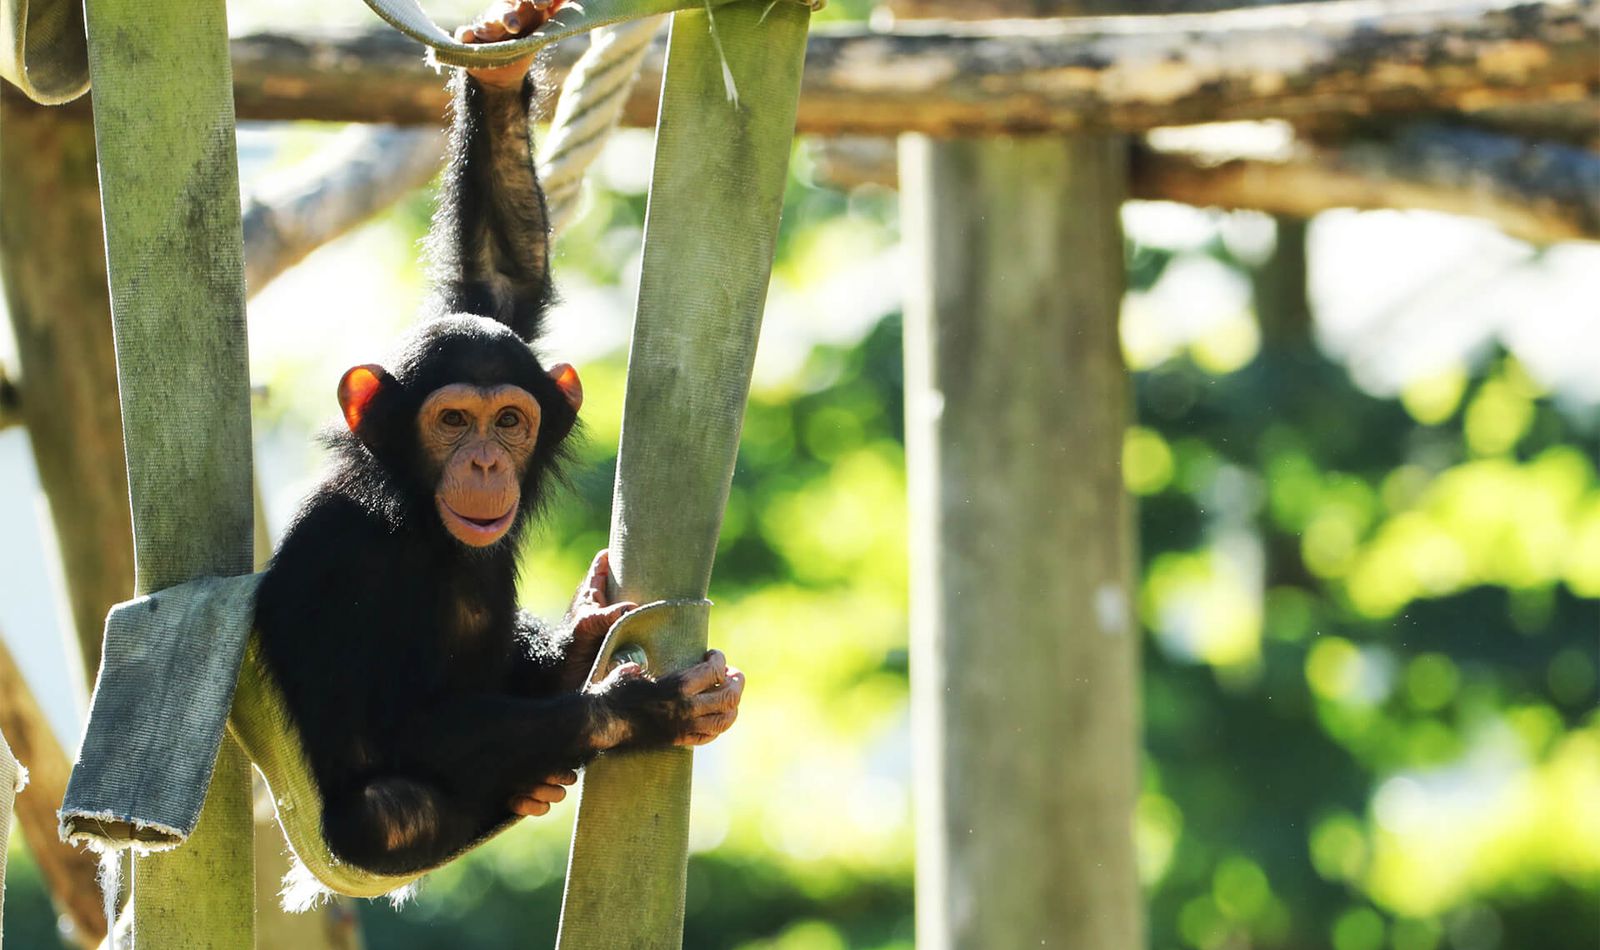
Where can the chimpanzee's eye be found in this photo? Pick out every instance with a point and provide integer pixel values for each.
(454, 418)
(508, 419)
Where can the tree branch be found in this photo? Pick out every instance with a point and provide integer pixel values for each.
(349, 182)
(1119, 74)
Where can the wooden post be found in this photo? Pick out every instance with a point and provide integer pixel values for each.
(1024, 645)
(52, 256)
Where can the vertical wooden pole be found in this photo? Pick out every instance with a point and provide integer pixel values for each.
(1024, 647)
(163, 110)
(1281, 289)
(52, 256)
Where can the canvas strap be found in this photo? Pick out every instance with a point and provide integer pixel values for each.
(710, 233)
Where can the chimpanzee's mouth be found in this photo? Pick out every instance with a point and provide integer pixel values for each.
(477, 532)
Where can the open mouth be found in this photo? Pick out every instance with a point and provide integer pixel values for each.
(478, 532)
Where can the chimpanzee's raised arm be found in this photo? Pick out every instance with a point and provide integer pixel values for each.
(490, 244)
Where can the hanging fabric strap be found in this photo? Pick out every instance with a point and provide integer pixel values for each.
(42, 49)
(12, 777)
(163, 114)
(711, 230)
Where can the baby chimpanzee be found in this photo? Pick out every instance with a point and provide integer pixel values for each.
(430, 708)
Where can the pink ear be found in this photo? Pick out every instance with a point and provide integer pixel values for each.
(571, 386)
(357, 388)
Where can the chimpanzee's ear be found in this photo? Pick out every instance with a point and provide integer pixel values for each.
(357, 388)
(568, 382)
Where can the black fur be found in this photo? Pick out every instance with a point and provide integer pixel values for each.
(490, 247)
(424, 698)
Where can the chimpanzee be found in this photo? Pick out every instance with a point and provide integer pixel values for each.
(430, 708)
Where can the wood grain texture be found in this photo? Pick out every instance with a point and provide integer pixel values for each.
(1541, 192)
(1123, 74)
(52, 259)
(1024, 645)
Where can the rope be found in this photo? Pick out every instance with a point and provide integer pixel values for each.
(588, 109)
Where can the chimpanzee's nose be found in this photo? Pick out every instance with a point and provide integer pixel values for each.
(486, 462)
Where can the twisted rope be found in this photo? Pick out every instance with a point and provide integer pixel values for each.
(590, 104)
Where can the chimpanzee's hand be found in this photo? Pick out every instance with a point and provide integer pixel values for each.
(712, 689)
(507, 20)
(537, 800)
(590, 616)
(690, 707)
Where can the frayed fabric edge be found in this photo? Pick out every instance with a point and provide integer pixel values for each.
(101, 839)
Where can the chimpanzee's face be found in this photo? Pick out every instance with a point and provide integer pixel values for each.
(480, 441)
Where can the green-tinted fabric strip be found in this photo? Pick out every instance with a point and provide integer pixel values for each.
(710, 233)
(42, 49)
(163, 108)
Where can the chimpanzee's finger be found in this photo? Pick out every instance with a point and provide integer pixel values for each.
(490, 31)
(706, 675)
(733, 687)
(547, 793)
(593, 622)
(622, 672)
(611, 613)
(568, 777)
(719, 699)
(716, 722)
(529, 807)
(706, 728)
(593, 588)
(518, 17)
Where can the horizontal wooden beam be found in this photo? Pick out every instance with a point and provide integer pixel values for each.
(1110, 74)
(993, 9)
(1540, 192)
